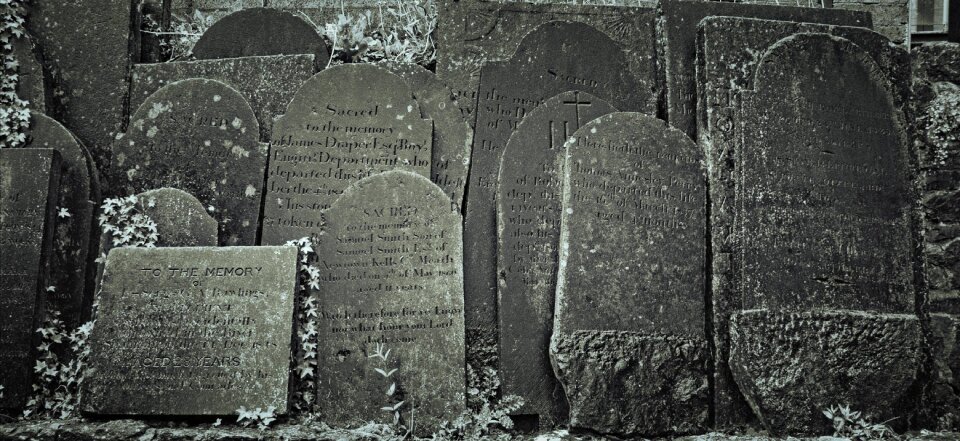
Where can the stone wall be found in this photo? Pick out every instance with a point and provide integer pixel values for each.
(890, 17)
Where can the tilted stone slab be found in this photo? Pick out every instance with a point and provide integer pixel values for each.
(30, 83)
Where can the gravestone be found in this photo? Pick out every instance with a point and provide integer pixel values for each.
(262, 31)
(344, 124)
(192, 331)
(30, 85)
(629, 342)
(554, 58)
(267, 82)
(680, 19)
(731, 49)
(452, 135)
(72, 269)
(391, 280)
(472, 33)
(199, 136)
(528, 227)
(88, 47)
(28, 187)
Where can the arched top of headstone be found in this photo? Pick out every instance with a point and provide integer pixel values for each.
(418, 191)
(30, 85)
(182, 221)
(262, 31)
(79, 168)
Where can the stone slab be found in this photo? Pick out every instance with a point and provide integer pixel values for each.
(268, 83)
(199, 136)
(344, 124)
(391, 272)
(29, 179)
(30, 84)
(192, 331)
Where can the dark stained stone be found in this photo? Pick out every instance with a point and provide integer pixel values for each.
(344, 124)
(731, 49)
(679, 21)
(631, 279)
(268, 83)
(452, 135)
(528, 227)
(28, 186)
(554, 58)
(391, 276)
(262, 31)
(88, 47)
(192, 331)
(793, 365)
(472, 33)
(30, 85)
(72, 270)
(199, 136)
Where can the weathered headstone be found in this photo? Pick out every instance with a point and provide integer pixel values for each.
(30, 85)
(472, 33)
(199, 136)
(680, 19)
(28, 187)
(346, 123)
(88, 47)
(731, 50)
(262, 31)
(391, 282)
(629, 343)
(554, 58)
(452, 135)
(74, 248)
(192, 331)
(528, 227)
(268, 82)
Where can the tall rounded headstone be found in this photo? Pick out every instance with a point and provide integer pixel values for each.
(391, 271)
(202, 137)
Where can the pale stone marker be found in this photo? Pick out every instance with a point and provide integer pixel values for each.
(391, 277)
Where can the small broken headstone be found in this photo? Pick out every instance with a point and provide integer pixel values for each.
(391, 304)
(528, 227)
(192, 331)
(344, 124)
(262, 31)
(629, 343)
(199, 136)
(30, 83)
(28, 195)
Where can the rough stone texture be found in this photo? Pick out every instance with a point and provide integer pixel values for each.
(730, 50)
(553, 58)
(452, 135)
(391, 272)
(192, 331)
(344, 124)
(679, 20)
(28, 187)
(793, 365)
(87, 46)
(632, 260)
(30, 85)
(74, 248)
(268, 83)
(199, 136)
(621, 382)
(528, 227)
(890, 17)
(472, 33)
(262, 31)
(942, 400)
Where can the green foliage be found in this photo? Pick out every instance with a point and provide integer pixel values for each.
(305, 355)
(940, 122)
(127, 227)
(400, 31)
(393, 406)
(184, 33)
(851, 424)
(482, 424)
(56, 392)
(14, 115)
(262, 418)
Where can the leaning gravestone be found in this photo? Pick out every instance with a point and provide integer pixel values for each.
(30, 85)
(731, 49)
(199, 136)
(262, 31)
(528, 227)
(554, 58)
(346, 123)
(452, 135)
(629, 342)
(267, 82)
(391, 276)
(680, 19)
(192, 331)
(28, 187)
(72, 270)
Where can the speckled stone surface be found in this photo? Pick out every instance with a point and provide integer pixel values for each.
(30, 85)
